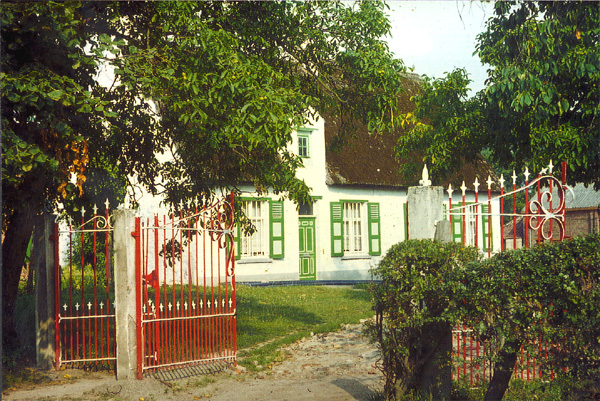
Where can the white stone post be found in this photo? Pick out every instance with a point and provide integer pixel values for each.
(125, 293)
(425, 221)
(424, 211)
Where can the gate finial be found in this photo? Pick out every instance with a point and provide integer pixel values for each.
(425, 181)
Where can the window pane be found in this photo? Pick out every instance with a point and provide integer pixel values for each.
(255, 244)
(303, 146)
(353, 227)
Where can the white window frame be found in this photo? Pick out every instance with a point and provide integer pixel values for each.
(470, 232)
(257, 244)
(303, 137)
(355, 228)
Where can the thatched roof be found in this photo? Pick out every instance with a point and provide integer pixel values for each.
(370, 160)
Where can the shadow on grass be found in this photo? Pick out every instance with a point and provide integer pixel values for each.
(262, 320)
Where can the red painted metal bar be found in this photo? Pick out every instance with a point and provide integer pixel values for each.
(471, 357)
(502, 244)
(514, 210)
(464, 213)
(94, 266)
(527, 212)
(476, 211)
(450, 210)
(490, 217)
(57, 287)
(539, 199)
(563, 181)
(231, 262)
(138, 296)
(82, 286)
(157, 302)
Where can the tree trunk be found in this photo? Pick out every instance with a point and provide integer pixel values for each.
(14, 249)
(503, 370)
(436, 377)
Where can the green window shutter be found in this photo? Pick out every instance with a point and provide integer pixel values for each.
(374, 229)
(405, 210)
(486, 228)
(457, 227)
(237, 242)
(337, 229)
(276, 229)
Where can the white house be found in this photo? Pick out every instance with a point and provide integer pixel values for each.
(358, 213)
(358, 210)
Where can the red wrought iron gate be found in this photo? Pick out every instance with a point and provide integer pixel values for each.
(84, 292)
(185, 288)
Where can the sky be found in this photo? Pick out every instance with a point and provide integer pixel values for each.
(436, 37)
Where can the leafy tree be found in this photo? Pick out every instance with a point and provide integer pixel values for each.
(217, 88)
(541, 100)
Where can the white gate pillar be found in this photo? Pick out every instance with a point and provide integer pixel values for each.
(125, 293)
(424, 211)
(425, 221)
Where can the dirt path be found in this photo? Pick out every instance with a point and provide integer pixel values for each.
(334, 366)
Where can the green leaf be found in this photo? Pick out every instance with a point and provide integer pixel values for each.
(55, 94)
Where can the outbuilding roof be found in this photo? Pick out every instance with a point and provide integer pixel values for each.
(579, 197)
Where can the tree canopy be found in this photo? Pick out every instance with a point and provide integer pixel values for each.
(541, 100)
(204, 97)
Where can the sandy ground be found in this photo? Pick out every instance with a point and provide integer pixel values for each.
(334, 366)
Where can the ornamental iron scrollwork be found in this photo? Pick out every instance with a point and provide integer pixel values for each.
(548, 209)
(544, 213)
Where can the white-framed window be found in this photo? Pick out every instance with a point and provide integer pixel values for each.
(354, 224)
(303, 141)
(255, 244)
(266, 215)
(476, 224)
(303, 149)
(355, 228)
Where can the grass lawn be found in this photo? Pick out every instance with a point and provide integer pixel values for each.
(270, 317)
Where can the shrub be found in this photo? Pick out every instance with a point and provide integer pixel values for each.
(550, 291)
(415, 308)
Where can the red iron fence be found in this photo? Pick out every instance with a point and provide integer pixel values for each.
(84, 296)
(542, 219)
(184, 299)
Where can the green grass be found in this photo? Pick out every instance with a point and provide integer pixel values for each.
(268, 318)
(271, 317)
(518, 390)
